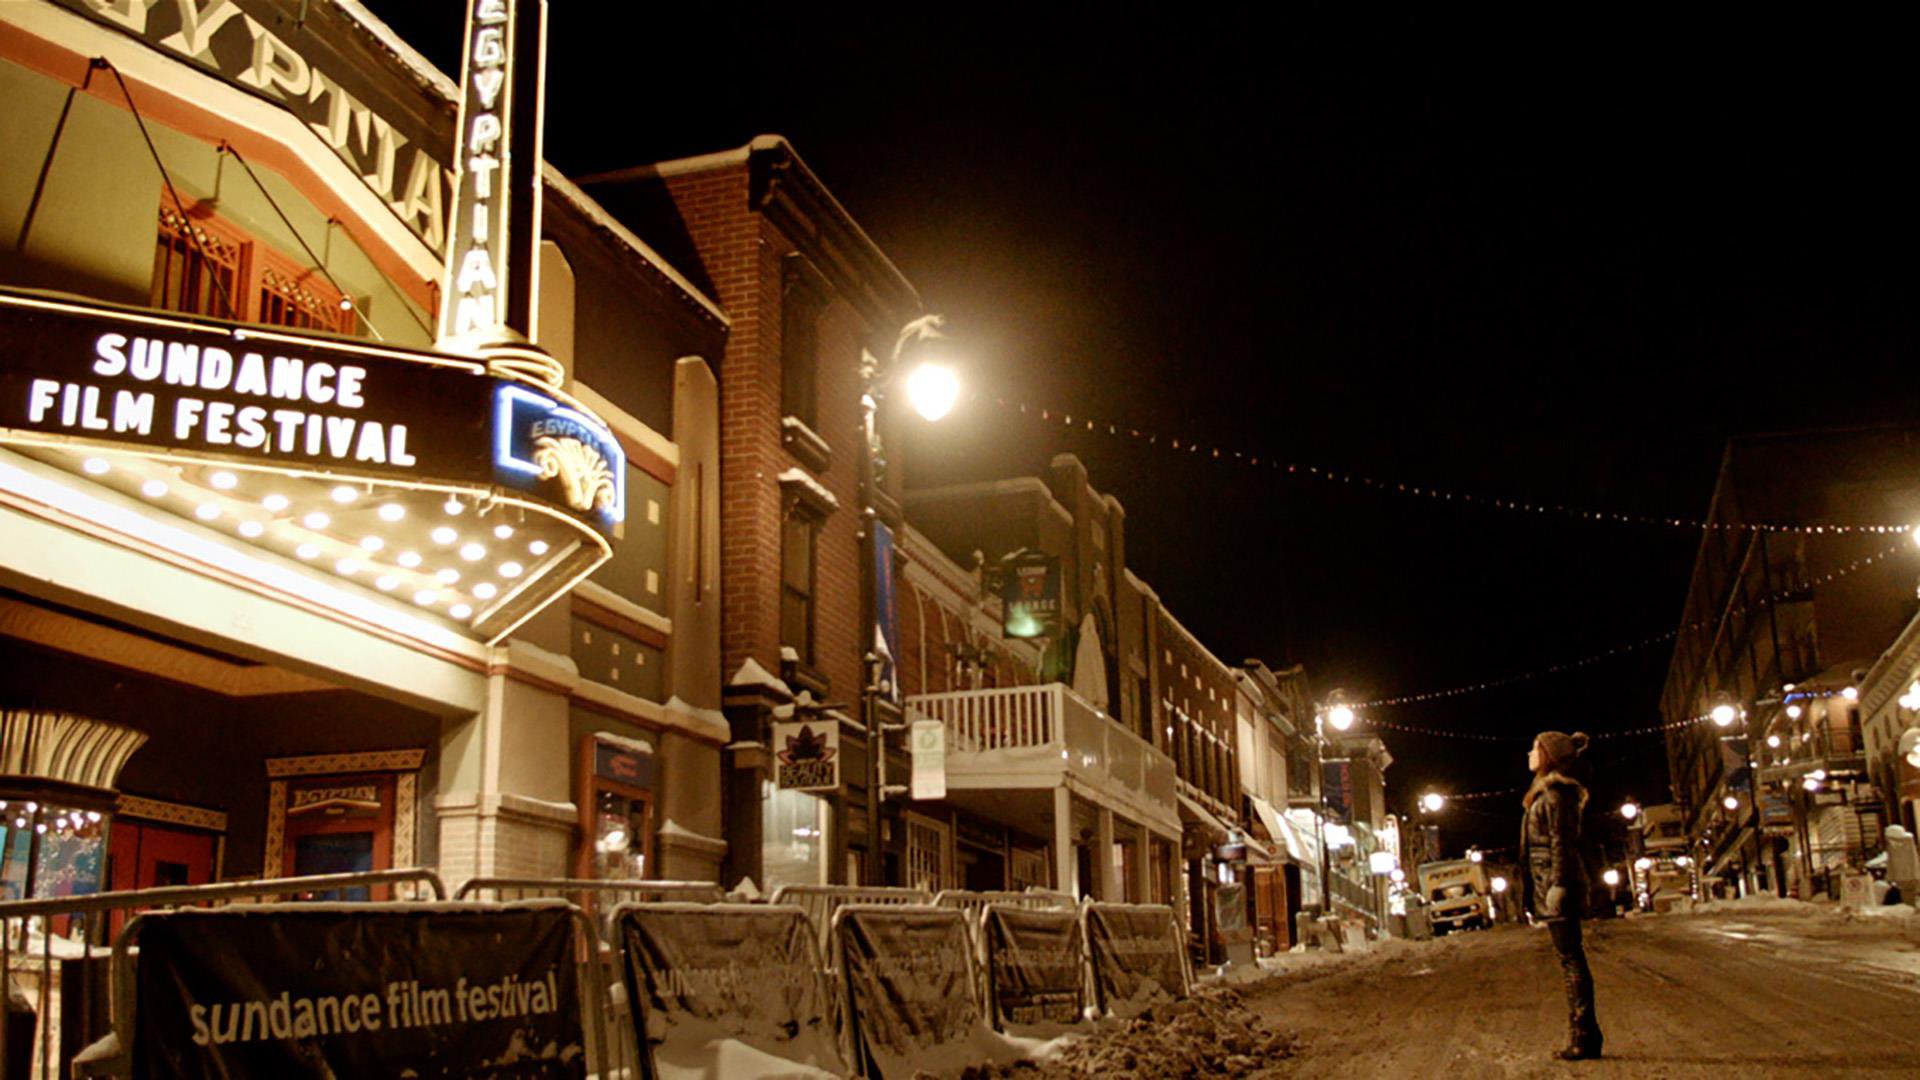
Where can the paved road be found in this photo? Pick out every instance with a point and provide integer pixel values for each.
(1684, 996)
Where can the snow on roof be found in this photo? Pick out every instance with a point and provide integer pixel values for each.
(799, 476)
(419, 66)
(671, 827)
(752, 674)
(634, 745)
(598, 214)
(712, 720)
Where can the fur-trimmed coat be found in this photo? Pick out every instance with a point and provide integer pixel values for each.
(1550, 844)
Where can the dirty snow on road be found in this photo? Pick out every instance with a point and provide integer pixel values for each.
(1745, 991)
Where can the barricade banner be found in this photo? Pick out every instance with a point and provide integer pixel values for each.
(910, 988)
(1137, 955)
(717, 979)
(1035, 960)
(358, 990)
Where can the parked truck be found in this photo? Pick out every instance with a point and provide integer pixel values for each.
(1457, 895)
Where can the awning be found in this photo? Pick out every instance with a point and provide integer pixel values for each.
(1192, 811)
(1281, 830)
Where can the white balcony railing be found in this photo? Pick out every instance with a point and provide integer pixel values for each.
(1038, 735)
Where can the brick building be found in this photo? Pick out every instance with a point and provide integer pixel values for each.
(809, 294)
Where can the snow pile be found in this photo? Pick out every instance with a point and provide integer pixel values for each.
(1761, 905)
(1209, 1034)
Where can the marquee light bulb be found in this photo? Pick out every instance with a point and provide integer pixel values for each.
(447, 576)
(95, 466)
(346, 567)
(425, 597)
(460, 611)
(485, 590)
(445, 535)
(206, 511)
(409, 559)
(386, 582)
(1851, 693)
(1730, 803)
(1773, 742)
(275, 503)
(392, 512)
(453, 507)
(503, 532)
(473, 552)
(371, 543)
(153, 489)
(252, 529)
(316, 520)
(538, 547)
(510, 569)
(307, 551)
(224, 480)
(344, 494)
(1794, 712)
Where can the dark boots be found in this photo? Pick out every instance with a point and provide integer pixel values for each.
(1583, 1028)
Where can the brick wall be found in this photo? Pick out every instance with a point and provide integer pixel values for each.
(742, 254)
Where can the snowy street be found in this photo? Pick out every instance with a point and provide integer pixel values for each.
(1776, 991)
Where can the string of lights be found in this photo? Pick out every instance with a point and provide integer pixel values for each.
(1632, 646)
(1481, 736)
(1228, 455)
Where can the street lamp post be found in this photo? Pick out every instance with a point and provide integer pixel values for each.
(1724, 714)
(1339, 715)
(933, 389)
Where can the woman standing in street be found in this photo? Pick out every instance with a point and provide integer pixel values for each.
(1553, 876)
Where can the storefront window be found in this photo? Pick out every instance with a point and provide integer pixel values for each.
(794, 839)
(620, 830)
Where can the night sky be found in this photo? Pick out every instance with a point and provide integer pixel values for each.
(1556, 261)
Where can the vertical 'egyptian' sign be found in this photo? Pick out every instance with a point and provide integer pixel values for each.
(490, 293)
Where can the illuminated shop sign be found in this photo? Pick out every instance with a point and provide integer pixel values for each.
(396, 146)
(559, 453)
(496, 226)
(238, 392)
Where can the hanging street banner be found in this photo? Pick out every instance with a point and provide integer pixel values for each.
(927, 742)
(1138, 957)
(711, 974)
(1030, 595)
(908, 984)
(1034, 964)
(807, 755)
(378, 990)
(1336, 781)
(886, 615)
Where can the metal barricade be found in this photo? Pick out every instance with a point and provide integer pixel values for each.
(117, 1061)
(31, 941)
(976, 902)
(821, 901)
(599, 899)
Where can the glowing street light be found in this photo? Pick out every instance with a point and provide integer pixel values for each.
(1340, 716)
(933, 388)
(1724, 714)
(1910, 746)
(1730, 802)
(1643, 863)
(1473, 855)
(1498, 884)
(1611, 877)
(1433, 802)
(1629, 809)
